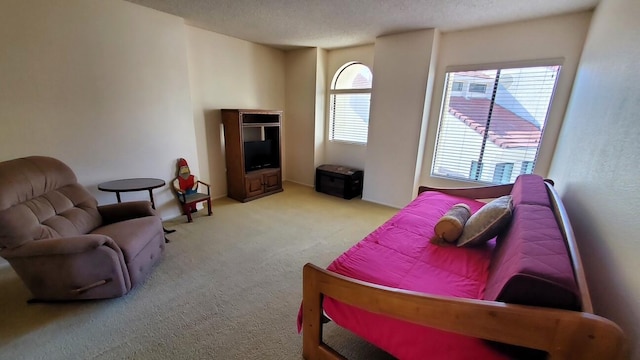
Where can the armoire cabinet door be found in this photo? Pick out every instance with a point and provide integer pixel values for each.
(254, 185)
(272, 181)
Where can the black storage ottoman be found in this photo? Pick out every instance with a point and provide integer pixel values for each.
(339, 181)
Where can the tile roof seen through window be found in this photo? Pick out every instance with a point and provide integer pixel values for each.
(507, 130)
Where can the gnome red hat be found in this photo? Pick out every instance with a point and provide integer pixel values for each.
(183, 168)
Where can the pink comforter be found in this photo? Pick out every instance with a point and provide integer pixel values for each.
(398, 254)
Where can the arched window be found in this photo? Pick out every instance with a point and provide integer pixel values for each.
(349, 98)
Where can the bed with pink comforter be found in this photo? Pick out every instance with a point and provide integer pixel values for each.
(398, 254)
(531, 263)
(401, 247)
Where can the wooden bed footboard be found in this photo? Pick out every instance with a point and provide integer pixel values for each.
(563, 334)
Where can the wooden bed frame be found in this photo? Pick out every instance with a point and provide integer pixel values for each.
(563, 334)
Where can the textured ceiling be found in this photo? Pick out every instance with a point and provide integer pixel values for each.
(333, 24)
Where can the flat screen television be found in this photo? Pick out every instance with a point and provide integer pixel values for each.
(258, 155)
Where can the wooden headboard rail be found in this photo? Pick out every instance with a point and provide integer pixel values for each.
(563, 334)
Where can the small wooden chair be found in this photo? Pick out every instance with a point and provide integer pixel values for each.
(188, 201)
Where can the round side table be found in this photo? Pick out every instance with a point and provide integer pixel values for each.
(134, 184)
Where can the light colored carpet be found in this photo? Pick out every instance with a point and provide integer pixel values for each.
(229, 287)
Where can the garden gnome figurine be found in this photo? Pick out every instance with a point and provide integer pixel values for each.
(185, 183)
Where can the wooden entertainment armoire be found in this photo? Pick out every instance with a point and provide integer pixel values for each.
(252, 152)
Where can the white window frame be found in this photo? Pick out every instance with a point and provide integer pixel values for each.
(333, 91)
(543, 145)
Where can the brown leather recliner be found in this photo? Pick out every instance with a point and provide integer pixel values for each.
(62, 244)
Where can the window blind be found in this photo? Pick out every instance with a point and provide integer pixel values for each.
(350, 117)
(349, 101)
(492, 123)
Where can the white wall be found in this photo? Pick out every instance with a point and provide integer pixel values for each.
(339, 153)
(100, 85)
(547, 38)
(300, 129)
(596, 164)
(320, 139)
(228, 73)
(400, 82)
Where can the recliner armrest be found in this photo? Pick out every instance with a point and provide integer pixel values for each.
(113, 213)
(88, 266)
(59, 246)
